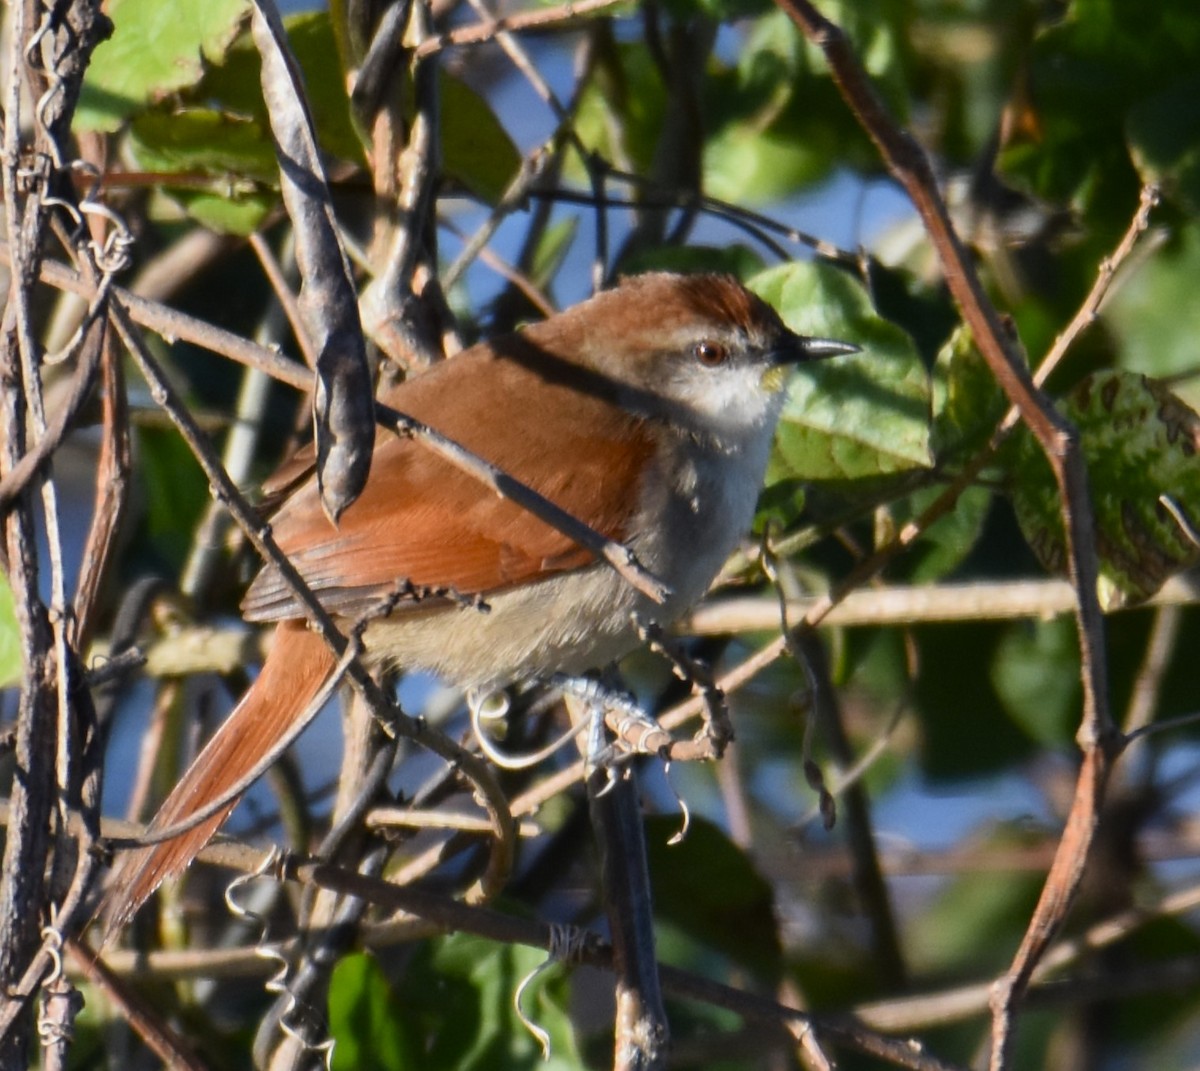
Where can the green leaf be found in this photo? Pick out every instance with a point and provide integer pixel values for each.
(203, 139)
(10, 637)
(1164, 137)
(236, 151)
(708, 887)
(1035, 672)
(1103, 62)
(967, 400)
(767, 118)
(718, 10)
(476, 148)
(1140, 442)
(552, 248)
(621, 109)
(156, 49)
(311, 36)
(851, 417)
(974, 922)
(365, 1020)
(943, 546)
(735, 259)
(452, 1007)
(743, 163)
(175, 492)
(236, 210)
(965, 729)
(1151, 342)
(237, 84)
(489, 1035)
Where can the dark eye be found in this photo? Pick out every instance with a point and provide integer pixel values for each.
(710, 353)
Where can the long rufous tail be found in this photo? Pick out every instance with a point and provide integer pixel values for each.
(298, 665)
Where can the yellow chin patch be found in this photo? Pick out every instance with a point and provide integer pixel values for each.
(774, 378)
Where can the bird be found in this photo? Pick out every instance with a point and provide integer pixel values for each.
(646, 411)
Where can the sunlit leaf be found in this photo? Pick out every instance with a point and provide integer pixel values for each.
(156, 49)
(864, 415)
(225, 163)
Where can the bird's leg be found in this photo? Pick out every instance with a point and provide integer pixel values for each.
(493, 705)
(718, 730)
(636, 732)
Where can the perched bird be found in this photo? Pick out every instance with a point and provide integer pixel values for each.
(646, 411)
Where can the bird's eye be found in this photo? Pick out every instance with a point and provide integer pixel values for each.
(710, 353)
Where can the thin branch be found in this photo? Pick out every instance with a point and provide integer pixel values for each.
(918, 604)
(562, 17)
(1087, 312)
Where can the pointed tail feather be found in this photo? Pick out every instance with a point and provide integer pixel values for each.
(295, 670)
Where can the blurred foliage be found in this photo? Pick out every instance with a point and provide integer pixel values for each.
(1043, 118)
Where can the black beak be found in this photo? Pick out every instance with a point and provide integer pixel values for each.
(799, 348)
(815, 349)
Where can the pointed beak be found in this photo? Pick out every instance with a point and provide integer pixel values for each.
(799, 349)
(815, 349)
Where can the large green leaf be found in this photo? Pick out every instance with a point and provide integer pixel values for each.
(710, 889)
(156, 49)
(490, 973)
(452, 1008)
(773, 121)
(1140, 442)
(864, 415)
(476, 149)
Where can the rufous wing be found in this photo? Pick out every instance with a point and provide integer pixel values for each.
(422, 521)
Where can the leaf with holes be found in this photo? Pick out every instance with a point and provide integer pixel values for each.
(1140, 442)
